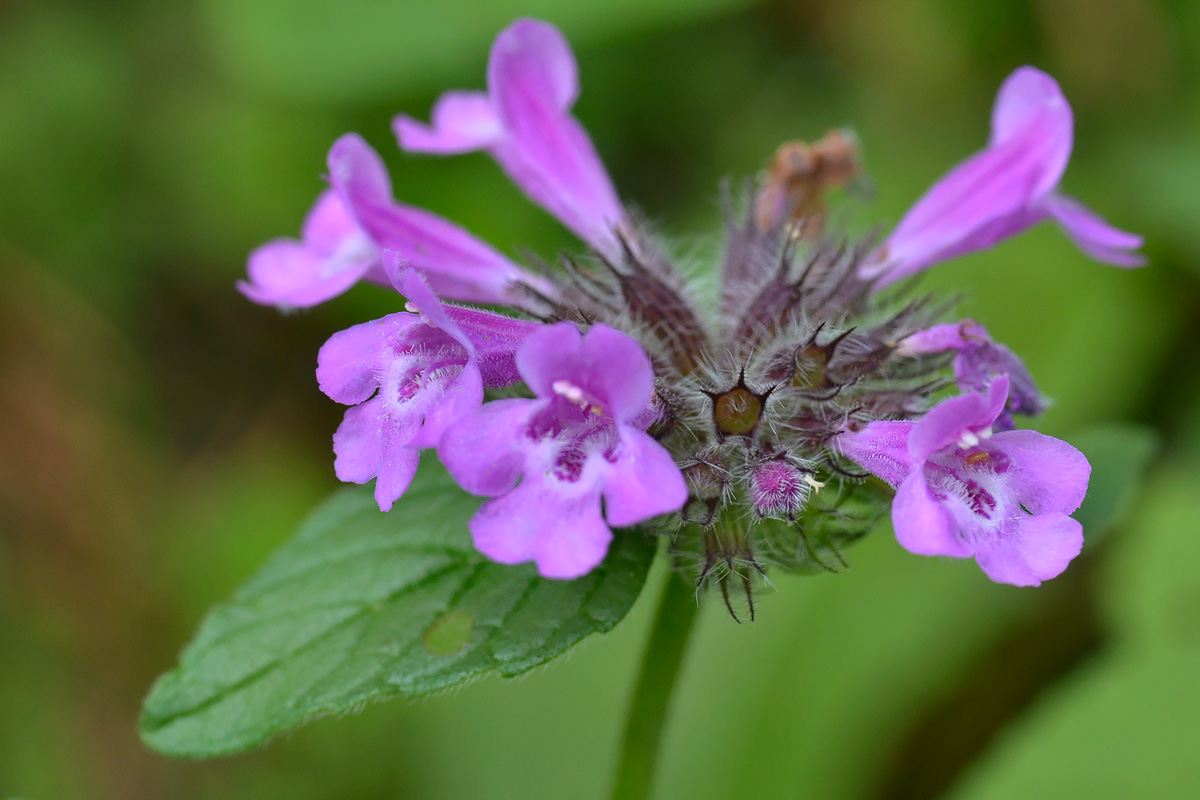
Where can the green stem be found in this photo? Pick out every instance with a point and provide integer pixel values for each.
(652, 694)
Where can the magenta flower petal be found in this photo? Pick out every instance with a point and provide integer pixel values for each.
(328, 225)
(977, 361)
(568, 553)
(457, 265)
(922, 525)
(490, 338)
(1029, 98)
(533, 81)
(880, 448)
(650, 483)
(527, 127)
(1053, 475)
(460, 396)
(395, 475)
(613, 366)
(549, 355)
(288, 274)
(357, 445)
(983, 200)
(461, 122)
(333, 256)
(349, 363)
(480, 453)
(951, 420)
(526, 525)
(534, 56)
(366, 446)
(1093, 235)
(1002, 190)
(1039, 549)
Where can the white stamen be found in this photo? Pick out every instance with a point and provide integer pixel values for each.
(813, 482)
(968, 440)
(570, 391)
(986, 433)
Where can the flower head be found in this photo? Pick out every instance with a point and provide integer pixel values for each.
(572, 446)
(630, 398)
(963, 491)
(1007, 187)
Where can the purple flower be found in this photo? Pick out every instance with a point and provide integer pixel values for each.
(977, 360)
(457, 265)
(1004, 189)
(574, 445)
(524, 121)
(962, 491)
(409, 376)
(334, 255)
(357, 219)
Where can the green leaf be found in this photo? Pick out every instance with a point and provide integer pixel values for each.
(363, 605)
(1119, 455)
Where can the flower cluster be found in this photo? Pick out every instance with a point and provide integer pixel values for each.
(740, 433)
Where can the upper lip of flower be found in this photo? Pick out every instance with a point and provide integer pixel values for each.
(524, 121)
(1002, 190)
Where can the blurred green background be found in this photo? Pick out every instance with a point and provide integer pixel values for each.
(161, 434)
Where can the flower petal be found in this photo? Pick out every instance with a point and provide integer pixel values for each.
(459, 398)
(1038, 549)
(936, 339)
(994, 194)
(484, 450)
(350, 363)
(414, 288)
(618, 370)
(576, 540)
(532, 81)
(552, 354)
(1029, 98)
(922, 526)
(328, 224)
(461, 122)
(534, 56)
(1093, 235)
(947, 422)
(396, 472)
(1048, 475)
(606, 364)
(456, 264)
(985, 199)
(525, 123)
(564, 534)
(881, 448)
(289, 274)
(643, 483)
(358, 443)
(977, 361)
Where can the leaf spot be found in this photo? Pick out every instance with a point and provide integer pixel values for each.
(450, 633)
